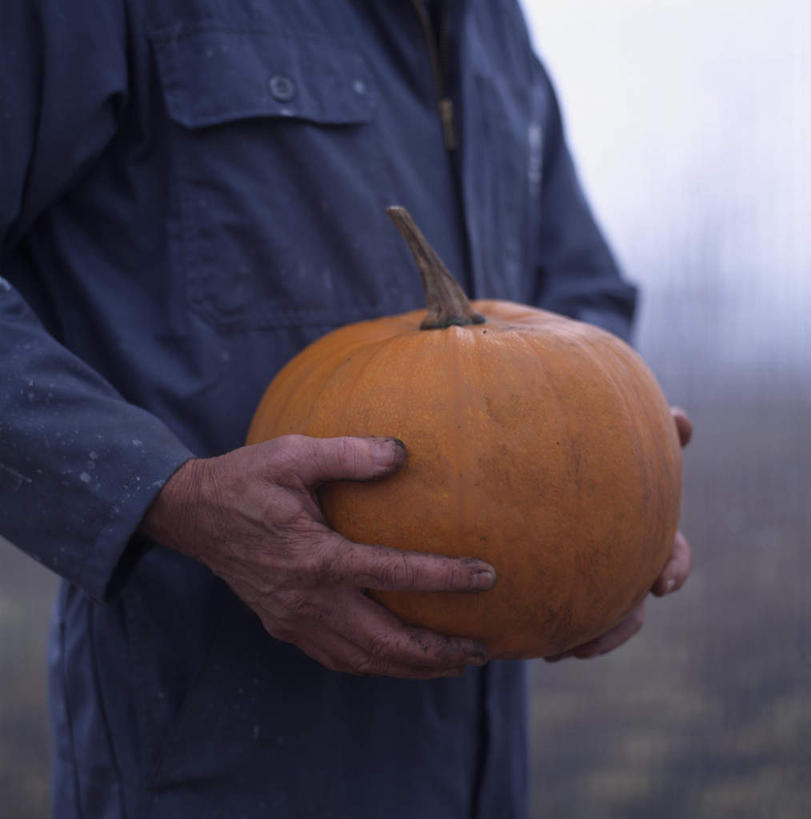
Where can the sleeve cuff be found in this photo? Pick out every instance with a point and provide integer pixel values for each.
(614, 323)
(116, 547)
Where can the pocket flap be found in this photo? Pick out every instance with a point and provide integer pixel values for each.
(212, 74)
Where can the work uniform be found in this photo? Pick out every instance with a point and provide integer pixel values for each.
(192, 190)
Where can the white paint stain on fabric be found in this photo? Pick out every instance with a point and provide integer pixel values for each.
(534, 158)
(17, 478)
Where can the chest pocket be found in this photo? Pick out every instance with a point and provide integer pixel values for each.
(276, 174)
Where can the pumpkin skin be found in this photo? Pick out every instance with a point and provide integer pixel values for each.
(540, 444)
(537, 443)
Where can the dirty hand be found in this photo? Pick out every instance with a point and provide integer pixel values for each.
(672, 578)
(253, 518)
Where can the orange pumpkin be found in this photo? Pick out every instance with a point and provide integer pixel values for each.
(540, 444)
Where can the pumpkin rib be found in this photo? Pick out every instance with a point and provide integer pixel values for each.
(644, 381)
(649, 477)
(640, 462)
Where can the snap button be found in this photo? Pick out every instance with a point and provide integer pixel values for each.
(282, 88)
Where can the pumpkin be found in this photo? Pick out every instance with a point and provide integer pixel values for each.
(540, 444)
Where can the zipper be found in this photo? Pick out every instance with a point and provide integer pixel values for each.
(438, 47)
(438, 43)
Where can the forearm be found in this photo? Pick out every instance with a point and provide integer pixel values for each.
(178, 515)
(576, 272)
(79, 466)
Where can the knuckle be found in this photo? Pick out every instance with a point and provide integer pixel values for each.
(347, 452)
(279, 448)
(287, 635)
(281, 630)
(285, 456)
(361, 668)
(305, 564)
(455, 576)
(300, 606)
(398, 572)
(352, 457)
(279, 514)
(424, 642)
(324, 564)
(316, 568)
(292, 442)
(379, 645)
(365, 666)
(331, 664)
(434, 650)
(325, 453)
(447, 574)
(636, 620)
(455, 651)
(448, 651)
(684, 553)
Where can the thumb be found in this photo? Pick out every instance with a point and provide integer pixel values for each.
(354, 459)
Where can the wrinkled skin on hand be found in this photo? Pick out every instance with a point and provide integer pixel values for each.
(673, 577)
(253, 518)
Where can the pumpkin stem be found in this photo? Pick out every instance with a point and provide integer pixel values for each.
(447, 303)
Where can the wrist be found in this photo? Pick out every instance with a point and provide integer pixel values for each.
(173, 518)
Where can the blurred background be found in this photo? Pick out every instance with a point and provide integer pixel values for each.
(691, 125)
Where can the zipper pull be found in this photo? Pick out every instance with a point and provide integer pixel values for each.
(448, 126)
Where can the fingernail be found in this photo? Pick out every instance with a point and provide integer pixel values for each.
(558, 657)
(477, 658)
(670, 585)
(388, 452)
(483, 579)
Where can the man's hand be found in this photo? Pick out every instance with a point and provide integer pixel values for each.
(673, 577)
(253, 518)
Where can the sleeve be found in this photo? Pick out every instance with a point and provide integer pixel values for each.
(79, 466)
(578, 275)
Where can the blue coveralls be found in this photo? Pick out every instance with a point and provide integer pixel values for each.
(192, 190)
